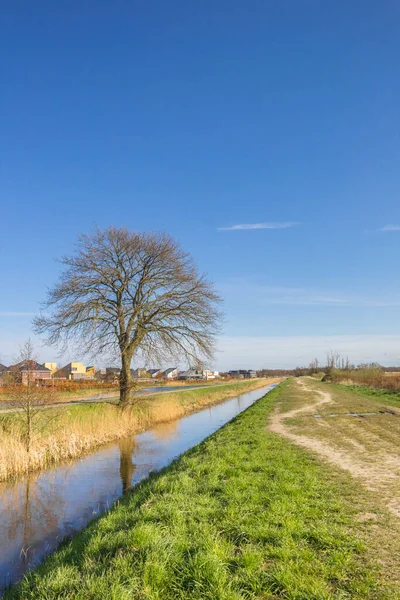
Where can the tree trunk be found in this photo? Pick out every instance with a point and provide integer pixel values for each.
(125, 382)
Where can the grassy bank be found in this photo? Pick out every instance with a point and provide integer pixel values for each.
(383, 396)
(243, 515)
(68, 432)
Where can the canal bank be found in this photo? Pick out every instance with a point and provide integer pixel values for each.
(38, 511)
(62, 434)
(242, 515)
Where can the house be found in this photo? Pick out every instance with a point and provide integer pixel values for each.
(52, 366)
(140, 373)
(191, 373)
(207, 374)
(91, 372)
(154, 373)
(243, 374)
(3, 369)
(194, 373)
(171, 373)
(71, 371)
(110, 374)
(29, 370)
(113, 371)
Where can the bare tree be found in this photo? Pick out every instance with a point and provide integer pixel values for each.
(27, 397)
(127, 293)
(314, 365)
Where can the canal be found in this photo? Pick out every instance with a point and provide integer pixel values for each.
(40, 510)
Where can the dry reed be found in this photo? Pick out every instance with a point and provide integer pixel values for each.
(78, 429)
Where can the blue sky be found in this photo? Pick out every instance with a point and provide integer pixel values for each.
(197, 118)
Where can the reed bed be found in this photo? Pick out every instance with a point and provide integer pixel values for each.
(372, 377)
(66, 433)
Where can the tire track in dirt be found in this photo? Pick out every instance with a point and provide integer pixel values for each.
(373, 476)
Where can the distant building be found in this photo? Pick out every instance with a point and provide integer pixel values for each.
(154, 373)
(29, 370)
(91, 372)
(112, 374)
(140, 373)
(171, 373)
(71, 371)
(194, 373)
(3, 369)
(243, 374)
(207, 374)
(113, 371)
(52, 366)
(191, 373)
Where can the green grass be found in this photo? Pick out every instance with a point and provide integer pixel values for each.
(243, 515)
(391, 398)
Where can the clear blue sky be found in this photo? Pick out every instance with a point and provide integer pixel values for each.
(195, 116)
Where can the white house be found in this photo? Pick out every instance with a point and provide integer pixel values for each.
(193, 373)
(154, 373)
(171, 373)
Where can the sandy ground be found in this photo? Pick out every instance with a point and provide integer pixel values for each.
(367, 447)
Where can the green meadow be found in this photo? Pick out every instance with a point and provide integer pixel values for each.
(244, 515)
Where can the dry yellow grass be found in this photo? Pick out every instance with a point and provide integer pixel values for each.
(77, 429)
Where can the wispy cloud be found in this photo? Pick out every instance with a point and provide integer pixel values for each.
(15, 314)
(390, 228)
(236, 352)
(258, 226)
(258, 295)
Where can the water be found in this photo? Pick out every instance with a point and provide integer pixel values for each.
(37, 512)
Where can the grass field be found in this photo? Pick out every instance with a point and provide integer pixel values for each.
(67, 432)
(388, 397)
(244, 515)
(367, 447)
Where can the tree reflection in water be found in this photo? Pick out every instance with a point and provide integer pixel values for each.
(126, 466)
(30, 512)
(165, 431)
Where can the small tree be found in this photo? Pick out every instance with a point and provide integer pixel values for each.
(27, 397)
(129, 293)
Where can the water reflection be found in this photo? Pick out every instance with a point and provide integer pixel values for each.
(33, 508)
(38, 512)
(163, 431)
(126, 466)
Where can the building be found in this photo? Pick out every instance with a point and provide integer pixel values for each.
(171, 373)
(71, 371)
(112, 374)
(207, 374)
(243, 374)
(113, 371)
(91, 372)
(28, 371)
(3, 369)
(154, 373)
(52, 366)
(140, 373)
(191, 373)
(202, 374)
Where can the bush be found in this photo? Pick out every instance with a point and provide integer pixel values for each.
(371, 376)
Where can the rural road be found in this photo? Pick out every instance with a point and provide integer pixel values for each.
(108, 397)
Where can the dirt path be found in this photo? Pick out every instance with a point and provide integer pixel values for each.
(359, 446)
